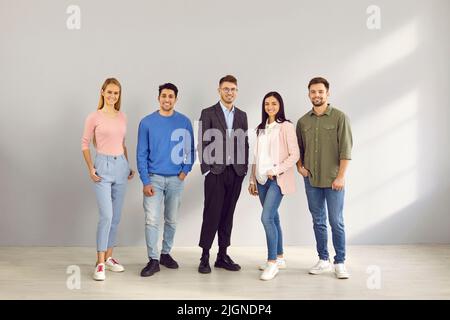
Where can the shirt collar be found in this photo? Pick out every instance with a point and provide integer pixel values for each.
(271, 125)
(225, 109)
(327, 110)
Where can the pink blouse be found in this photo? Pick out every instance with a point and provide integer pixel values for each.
(109, 132)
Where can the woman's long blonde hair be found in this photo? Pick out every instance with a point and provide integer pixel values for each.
(101, 102)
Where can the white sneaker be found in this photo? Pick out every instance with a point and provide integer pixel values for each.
(270, 271)
(340, 271)
(281, 263)
(321, 266)
(99, 273)
(114, 265)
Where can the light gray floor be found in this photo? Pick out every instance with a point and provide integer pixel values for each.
(403, 272)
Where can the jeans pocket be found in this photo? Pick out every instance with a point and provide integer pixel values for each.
(306, 179)
(156, 179)
(98, 165)
(125, 170)
(126, 165)
(96, 161)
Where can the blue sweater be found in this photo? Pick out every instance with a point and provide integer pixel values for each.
(165, 145)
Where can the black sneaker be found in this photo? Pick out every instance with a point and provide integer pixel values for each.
(204, 266)
(150, 268)
(167, 260)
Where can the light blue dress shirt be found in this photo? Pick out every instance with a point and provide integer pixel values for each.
(229, 117)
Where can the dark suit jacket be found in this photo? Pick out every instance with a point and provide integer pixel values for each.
(215, 145)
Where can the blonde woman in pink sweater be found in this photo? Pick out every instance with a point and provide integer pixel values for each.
(106, 128)
(273, 175)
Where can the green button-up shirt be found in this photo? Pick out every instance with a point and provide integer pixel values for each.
(323, 141)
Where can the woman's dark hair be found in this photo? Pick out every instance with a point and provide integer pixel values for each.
(279, 117)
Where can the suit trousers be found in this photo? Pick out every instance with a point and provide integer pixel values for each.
(221, 195)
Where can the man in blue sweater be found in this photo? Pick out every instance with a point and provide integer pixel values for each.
(165, 155)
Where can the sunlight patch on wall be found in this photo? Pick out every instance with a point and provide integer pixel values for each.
(386, 167)
(382, 54)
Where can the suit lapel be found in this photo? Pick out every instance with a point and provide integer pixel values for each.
(221, 116)
(235, 119)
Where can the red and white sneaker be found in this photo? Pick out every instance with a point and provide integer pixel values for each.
(114, 265)
(99, 273)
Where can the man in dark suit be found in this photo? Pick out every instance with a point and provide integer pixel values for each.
(223, 154)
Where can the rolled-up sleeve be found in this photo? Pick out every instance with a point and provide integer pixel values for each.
(345, 138)
(300, 142)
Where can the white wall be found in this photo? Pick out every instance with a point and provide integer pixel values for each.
(393, 84)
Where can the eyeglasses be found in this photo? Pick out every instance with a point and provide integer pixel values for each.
(228, 90)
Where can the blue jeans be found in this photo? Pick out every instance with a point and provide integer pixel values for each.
(167, 190)
(110, 193)
(270, 196)
(335, 204)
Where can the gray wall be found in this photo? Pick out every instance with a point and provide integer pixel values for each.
(392, 82)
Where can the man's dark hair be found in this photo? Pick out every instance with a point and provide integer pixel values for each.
(319, 80)
(228, 78)
(169, 86)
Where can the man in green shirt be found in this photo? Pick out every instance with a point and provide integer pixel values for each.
(325, 141)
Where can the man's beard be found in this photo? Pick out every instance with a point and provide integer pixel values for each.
(317, 104)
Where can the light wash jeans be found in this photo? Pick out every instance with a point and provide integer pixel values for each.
(335, 204)
(110, 193)
(168, 191)
(270, 196)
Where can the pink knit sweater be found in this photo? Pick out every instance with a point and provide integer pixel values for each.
(109, 132)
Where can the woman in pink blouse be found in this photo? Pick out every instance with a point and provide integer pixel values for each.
(106, 128)
(272, 175)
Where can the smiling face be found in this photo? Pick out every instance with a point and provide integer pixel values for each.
(111, 94)
(228, 92)
(167, 100)
(271, 106)
(318, 94)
